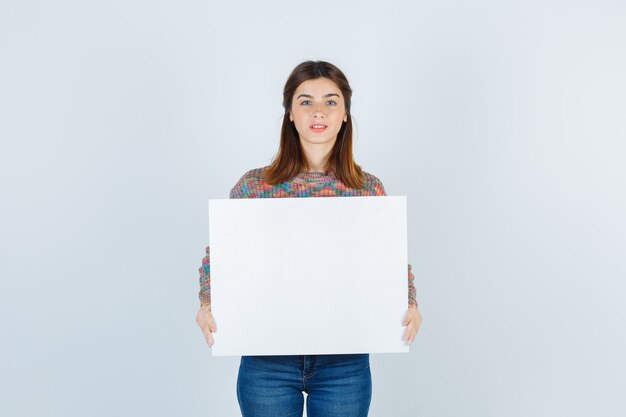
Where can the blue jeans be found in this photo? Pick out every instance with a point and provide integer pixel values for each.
(336, 385)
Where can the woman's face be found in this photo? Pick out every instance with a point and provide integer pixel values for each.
(318, 111)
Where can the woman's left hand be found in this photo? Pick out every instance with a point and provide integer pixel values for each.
(412, 321)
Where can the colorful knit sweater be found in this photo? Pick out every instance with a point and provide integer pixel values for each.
(306, 184)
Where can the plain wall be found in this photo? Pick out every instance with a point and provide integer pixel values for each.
(501, 121)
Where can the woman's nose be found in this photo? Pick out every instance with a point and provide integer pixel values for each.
(318, 112)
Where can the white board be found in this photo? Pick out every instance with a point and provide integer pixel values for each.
(296, 276)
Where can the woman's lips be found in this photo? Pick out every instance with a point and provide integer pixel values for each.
(318, 127)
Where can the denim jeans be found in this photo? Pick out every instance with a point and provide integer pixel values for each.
(336, 385)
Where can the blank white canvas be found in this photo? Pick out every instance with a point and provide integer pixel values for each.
(293, 276)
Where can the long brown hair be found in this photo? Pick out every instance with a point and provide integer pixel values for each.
(290, 160)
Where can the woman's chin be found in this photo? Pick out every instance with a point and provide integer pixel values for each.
(318, 140)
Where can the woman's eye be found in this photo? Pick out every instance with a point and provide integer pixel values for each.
(331, 102)
(305, 102)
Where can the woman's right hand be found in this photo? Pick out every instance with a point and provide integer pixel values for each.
(205, 320)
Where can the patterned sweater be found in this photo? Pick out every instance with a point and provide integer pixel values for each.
(306, 184)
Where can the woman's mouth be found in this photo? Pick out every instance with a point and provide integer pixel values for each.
(318, 127)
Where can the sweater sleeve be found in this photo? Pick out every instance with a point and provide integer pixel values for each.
(205, 279)
(412, 292)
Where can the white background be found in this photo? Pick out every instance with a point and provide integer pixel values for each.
(502, 121)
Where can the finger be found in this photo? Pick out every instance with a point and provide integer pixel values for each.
(407, 318)
(411, 335)
(212, 325)
(414, 330)
(406, 334)
(407, 337)
(209, 338)
(418, 323)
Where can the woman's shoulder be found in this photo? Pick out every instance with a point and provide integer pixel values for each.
(255, 174)
(249, 183)
(373, 184)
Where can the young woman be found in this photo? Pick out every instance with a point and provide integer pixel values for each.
(314, 160)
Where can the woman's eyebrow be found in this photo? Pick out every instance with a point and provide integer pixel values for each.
(325, 95)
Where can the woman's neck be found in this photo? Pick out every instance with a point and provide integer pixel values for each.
(317, 156)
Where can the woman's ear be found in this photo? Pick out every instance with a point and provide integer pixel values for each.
(290, 117)
(345, 118)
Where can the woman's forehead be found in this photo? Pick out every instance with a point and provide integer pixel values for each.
(317, 87)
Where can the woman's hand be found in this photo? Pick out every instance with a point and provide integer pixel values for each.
(412, 321)
(205, 320)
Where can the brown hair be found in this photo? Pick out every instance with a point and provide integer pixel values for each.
(290, 160)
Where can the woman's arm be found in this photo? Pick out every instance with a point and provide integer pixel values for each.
(205, 279)
(204, 318)
(412, 291)
(413, 317)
